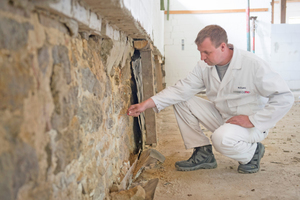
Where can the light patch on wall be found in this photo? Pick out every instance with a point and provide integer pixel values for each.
(294, 20)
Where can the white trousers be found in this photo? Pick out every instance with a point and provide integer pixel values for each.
(231, 140)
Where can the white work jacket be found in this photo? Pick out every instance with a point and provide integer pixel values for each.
(250, 87)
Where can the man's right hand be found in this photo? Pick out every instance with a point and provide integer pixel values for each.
(136, 109)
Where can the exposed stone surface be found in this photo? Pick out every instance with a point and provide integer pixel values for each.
(64, 132)
(43, 58)
(90, 82)
(15, 80)
(49, 21)
(14, 36)
(61, 59)
(90, 115)
(17, 167)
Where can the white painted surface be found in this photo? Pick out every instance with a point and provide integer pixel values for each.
(158, 27)
(77, 12)
(149, 15)
(286, 52)
(186, 27)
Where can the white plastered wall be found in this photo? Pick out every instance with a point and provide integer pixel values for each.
(286, 53)
(149, 15)
(186, 27)
(285, 44)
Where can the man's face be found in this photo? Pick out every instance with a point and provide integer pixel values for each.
(209, 54)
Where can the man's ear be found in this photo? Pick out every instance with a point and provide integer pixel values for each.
(223, 46)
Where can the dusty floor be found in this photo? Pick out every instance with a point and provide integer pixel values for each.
(279, 177)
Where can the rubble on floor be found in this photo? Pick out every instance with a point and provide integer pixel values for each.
(132, 189)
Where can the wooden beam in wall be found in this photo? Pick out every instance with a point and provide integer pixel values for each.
(148, 67)
(140, 44)
(215, 11)
(158, 74)
(282, 11)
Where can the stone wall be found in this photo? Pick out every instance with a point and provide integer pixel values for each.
(64, 132)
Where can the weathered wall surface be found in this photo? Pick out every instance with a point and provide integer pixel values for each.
(64, 132)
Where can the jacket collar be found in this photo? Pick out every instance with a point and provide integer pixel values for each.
(235, 64)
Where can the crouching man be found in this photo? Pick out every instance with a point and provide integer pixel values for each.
(246, 99)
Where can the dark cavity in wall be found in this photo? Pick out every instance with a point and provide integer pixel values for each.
(136, 86)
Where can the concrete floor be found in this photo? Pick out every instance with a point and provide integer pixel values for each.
(279, 177)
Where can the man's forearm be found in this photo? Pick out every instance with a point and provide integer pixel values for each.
(149, 103)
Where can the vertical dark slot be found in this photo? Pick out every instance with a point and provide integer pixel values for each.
(135, 81)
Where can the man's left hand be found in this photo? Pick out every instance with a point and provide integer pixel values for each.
(241, 120)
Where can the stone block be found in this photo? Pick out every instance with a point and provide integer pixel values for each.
(15, 81)
(91, 83)
(61, 57)
(90, 115)
(106, 46)
(109, 123)
(100, 191)
(65, 101)
(15, 35)
(17, 167)
(8, 6)
(50, 22)
(68, 146)
(72, 26)
(43, 59)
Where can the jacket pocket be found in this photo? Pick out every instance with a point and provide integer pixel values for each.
(243, 106)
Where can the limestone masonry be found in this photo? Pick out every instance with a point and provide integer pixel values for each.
(64, 91)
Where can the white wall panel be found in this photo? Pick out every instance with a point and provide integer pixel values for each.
(285, 48)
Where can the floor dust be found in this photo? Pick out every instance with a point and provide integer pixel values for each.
(279, 177)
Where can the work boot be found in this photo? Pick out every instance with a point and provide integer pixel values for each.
(202, 158)
(254, 164)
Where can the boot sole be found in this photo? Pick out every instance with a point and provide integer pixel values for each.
(202, 166)
(262, 153)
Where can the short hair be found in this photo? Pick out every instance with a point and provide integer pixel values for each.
(216, 34)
